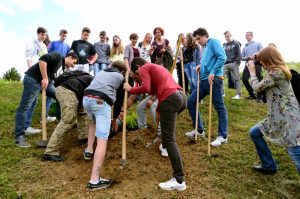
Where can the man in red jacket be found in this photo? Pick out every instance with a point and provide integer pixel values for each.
(157, 80)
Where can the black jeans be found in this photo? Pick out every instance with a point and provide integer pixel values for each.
(246, 77)
(179, 75)
(169, 109)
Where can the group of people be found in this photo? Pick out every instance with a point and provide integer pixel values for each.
(79, 94)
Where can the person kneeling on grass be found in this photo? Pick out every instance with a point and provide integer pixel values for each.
(282, 126)
(104, 91)
(157, 80)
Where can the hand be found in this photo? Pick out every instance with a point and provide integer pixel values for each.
(44, 83)
(251, 67)
(198, 68)
(127, 87)
(211, 79)
(121, 116)
(149, 103)
(114, 125)
(163, 50)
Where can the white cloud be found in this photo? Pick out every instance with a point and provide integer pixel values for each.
(10, 7)
(13, 52)
(7, 8)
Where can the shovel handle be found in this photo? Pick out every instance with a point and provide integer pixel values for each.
(44, 127)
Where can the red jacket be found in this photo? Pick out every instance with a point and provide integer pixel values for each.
(156, 80)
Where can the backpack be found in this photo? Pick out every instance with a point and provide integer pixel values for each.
(295, 81)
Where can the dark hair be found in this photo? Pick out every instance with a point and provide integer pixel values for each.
(73, 55)
(103, 33)
(63, 31)
(41, 30)
(137, 61)
(133, 36)
(160, 30)
(201, 32)
(86, 29)
(226, 32)
(120, 65)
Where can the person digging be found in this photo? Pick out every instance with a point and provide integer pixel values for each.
(157, 80)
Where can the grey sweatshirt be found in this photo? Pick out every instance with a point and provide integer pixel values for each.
(103, 51)
(105, 84)
(233, 52)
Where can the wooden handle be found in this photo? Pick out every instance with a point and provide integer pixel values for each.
(124, 121)
(44, 127)
(176, 54)
(209, 119)
(197, 104)
(182, 70)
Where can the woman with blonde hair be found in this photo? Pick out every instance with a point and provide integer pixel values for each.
(117, 50)
(145, 47)
(282, 126)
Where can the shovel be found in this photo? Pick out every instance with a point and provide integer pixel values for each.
(123, 160)
(44, 141)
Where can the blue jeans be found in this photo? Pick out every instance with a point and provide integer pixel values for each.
(100, 112)
(264, 153)
(98, 67)
(217, 101)
(191, 74)
(31, 90)
(141, 112)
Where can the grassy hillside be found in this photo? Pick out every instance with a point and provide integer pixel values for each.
(227, 174)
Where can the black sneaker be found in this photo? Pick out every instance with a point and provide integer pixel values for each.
(54, 158)
(87, 155)
(103, 183)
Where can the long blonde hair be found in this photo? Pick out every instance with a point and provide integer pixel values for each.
(145, 38)
(117, 49)
(272, 59)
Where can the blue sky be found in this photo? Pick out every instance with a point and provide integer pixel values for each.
(271, 21)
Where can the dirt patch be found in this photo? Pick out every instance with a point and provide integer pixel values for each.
(144, 169)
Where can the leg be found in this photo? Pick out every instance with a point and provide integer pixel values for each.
(96, 68)
(236, 78)
(193, 75)
(69, 104)
(294, 153)
(102, 114)
(30, 91)
(245, 77)
(82, 122)
(168, 114)
(191, 104)
(219, 105)
(141, 113)
(263, 151)
(30, 113)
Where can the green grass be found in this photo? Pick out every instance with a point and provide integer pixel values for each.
(228, 175)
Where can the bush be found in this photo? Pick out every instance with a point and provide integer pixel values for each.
(12, 75)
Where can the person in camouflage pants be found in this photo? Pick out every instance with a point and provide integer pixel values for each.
(68, 95)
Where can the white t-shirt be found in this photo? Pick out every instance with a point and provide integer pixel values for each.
(145, 52)
(34, 50)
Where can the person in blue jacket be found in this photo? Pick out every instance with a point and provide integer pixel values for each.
(211, 72)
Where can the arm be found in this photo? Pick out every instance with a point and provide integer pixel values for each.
(257, 86)
(238, 53)
(119, 102)
(29, 51)
(244, 58)
(126, 56)
(43, 69)
(198, 56)
(220, 54)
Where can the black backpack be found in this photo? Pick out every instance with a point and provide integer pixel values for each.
(295, 81)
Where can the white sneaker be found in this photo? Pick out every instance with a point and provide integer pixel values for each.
(163, 152)
(218, 141)
(172, 185)
(191, 134)
(237, 97)
(50, 119)
(32, 131)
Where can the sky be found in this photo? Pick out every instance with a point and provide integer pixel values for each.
(272, 21)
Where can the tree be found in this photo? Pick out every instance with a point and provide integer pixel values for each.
(12, 75)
